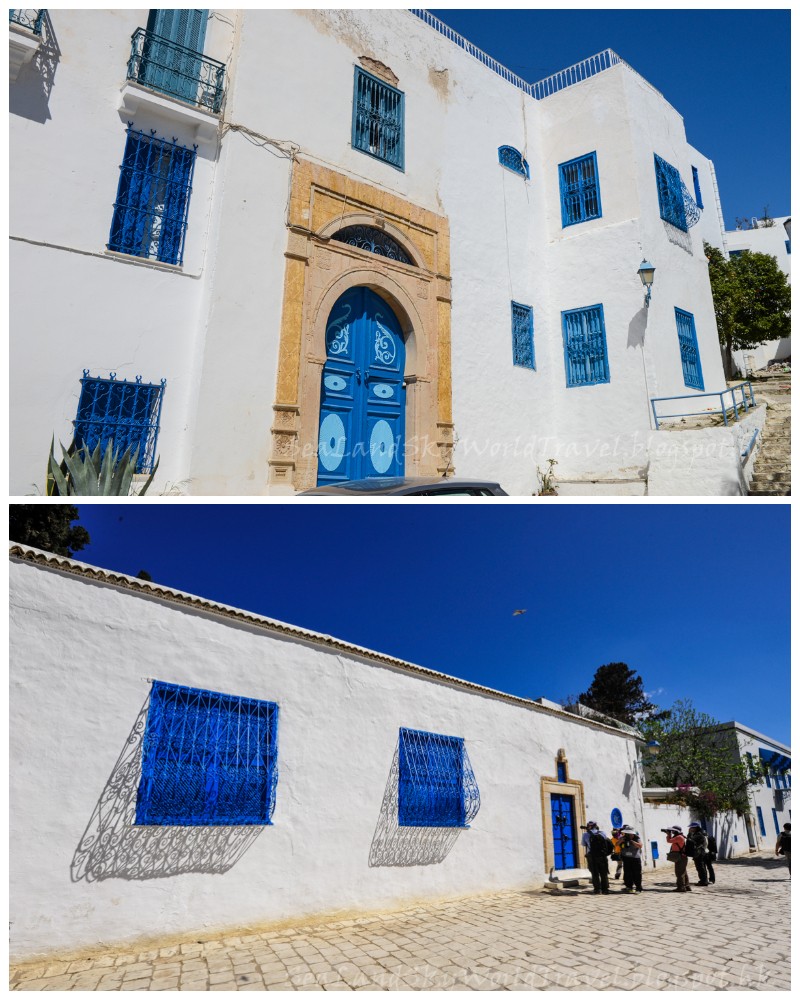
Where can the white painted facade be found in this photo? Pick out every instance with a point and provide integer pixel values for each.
(84, 644)
(212, 328)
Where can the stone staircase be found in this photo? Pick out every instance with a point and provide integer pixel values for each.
(772, 475)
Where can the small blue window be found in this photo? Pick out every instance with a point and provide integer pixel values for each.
(761, 821)
(128, 413)
(208, 759)
(735, 253)
(513, 160)
(152, 203)
(670, 194)
(585, 351)
(436, 785)
(522, 334)
(788, 245)
(697, 196)
(561, 770)
(690, 355)
(580, 190)
(378, 119)
(775, 821)
(767, 778)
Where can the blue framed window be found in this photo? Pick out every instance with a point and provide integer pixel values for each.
(522, 335)
(735, 253)
(208, 759)
(767, 778)
(378, 119)
(761, 821)
(128, 413)
(561, 770)
(436, 784)
(670, 194)
(775, 821)
(690, 355)
(152, 203)
(585, 351)
(788, 245)
(513, 160)
(580, 190)
(696, 179)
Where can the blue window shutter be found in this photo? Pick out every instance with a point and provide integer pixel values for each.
(183, 26)
(670, 194)
(788, 245)
(436, 785)
(513, 160)
(522, 335)
(697, 196)
(579, 186)
(761, 821)
(775, 821)
(585, 349)
(378, 119)
(690, 354)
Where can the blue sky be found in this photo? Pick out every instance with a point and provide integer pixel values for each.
(726, 71)
(693, 597)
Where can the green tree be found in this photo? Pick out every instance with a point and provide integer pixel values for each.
(693, 752)
(48, 527)
(618, 691)
(752, 301)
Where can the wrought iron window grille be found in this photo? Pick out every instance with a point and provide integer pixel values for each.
(579, 186)
(375, 241)
(513, 160)
(690, 354)
(30, 19)
(127, 413)
(522, 335)
(585, 349)
(676, 205)
(208, 759)
(378, 119)
(437, 786)
(155, 184)
(163, 65)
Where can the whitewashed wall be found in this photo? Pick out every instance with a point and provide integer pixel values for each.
(82, 652)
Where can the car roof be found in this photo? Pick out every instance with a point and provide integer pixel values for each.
(396, 484)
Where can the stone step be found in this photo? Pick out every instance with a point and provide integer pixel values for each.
(769, 493)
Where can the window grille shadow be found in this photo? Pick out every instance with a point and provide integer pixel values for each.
(395, 846)
(113, 847)
(678, 237)
(29, 96)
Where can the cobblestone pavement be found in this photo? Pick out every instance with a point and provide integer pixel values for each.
(730, 936)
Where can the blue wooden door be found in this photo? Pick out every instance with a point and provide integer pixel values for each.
(362, 407)
(167, 67)
(563, 819)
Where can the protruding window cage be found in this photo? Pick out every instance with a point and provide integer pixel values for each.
(579, 185)
(378, 119)
(522, 335)
(437, 786)
(30, 19)
(670, 194)
(585, 350)
(512, 159)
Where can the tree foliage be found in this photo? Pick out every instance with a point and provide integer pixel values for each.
(618, 691)
(693, 752)
(752, 300)
(48, 527)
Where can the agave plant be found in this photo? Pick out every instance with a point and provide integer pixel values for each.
(82, 474)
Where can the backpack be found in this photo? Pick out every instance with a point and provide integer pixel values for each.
(599, 846)
(712, 845)
(690, 848)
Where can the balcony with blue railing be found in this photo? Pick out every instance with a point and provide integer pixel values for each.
(168, 68)
(29, 19)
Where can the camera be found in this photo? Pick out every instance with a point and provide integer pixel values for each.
(667, 830)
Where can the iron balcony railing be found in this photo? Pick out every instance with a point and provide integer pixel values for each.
(172, 69)
(744, 389)
(30, 19)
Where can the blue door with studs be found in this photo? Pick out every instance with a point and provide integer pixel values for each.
(362, 406)
(563, 818)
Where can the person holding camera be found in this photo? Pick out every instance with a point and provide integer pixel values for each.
(698, 840)
(598, 847)
(631, 854)
(616, 840)
(677, 855)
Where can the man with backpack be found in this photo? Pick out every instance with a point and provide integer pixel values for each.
(598, 847)
(697, 848)
(711, 857)
(784, 845)
(631, 852)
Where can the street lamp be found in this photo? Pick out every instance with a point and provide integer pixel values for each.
(646, 272)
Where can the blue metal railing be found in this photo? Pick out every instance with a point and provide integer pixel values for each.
(30, 19)
(173, 69)
(745, 388)
(748, 450)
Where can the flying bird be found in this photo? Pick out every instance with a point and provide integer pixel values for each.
(519, 611)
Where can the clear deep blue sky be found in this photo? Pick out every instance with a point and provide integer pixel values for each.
(693, 597)
(725, 71)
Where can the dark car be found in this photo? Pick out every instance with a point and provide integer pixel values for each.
(408, 486)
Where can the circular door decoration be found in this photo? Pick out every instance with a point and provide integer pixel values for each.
(335, 383)
(381, 446)
(331, 441)
(383, 391)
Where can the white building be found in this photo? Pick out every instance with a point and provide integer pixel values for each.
(358, 781)
(344, 243)
(775, 238)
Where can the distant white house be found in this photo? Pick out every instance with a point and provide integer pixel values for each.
(279, 248)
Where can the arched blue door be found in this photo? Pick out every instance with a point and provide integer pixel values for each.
(362, 407)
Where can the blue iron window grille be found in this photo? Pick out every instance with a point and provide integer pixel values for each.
(761, 821)
(580, 190)
(152, 198)
(375, 240)
(522, 335)
(30, 19)
(127, 413)
(378, 119)
(690, 354)
(585, 350)
(513, 160)
(208, 759)
(437, 786)
(670, 194)
(697, 196)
